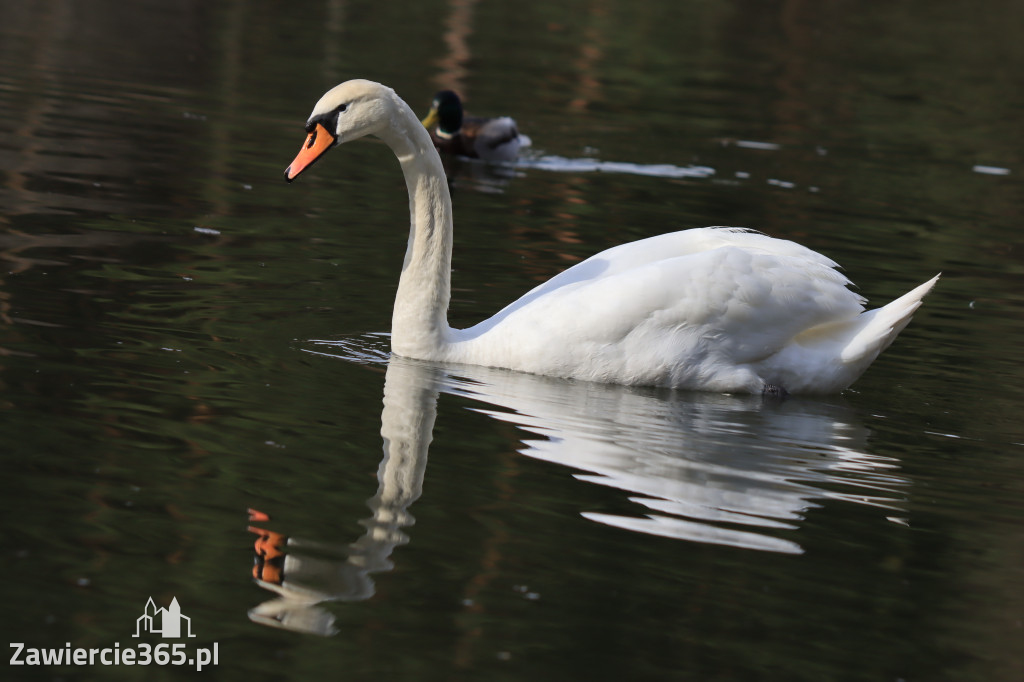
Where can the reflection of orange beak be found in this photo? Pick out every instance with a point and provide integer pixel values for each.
(317, 142)
(257, 515)
(269, 559)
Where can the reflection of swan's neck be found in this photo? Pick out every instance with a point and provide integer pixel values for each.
(307, 579)
(407, 426)
(419, 326)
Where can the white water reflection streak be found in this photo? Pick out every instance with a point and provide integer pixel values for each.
(561, 164)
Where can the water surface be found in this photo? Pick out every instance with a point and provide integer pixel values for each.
(184, 337)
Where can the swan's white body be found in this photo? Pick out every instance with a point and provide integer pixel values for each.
(718, 309)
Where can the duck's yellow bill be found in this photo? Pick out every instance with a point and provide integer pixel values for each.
(317, 142)
(430, 122)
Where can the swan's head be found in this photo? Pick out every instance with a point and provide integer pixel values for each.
(445, 113)
(346, 112)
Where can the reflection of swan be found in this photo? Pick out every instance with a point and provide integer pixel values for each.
(705, 468)
(490, 139)
(305, 574)
(713, 309)
(702, 468)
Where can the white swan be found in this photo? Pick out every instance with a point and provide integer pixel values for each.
(716, 309)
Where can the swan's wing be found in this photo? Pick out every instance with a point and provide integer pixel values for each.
(741, 293)
(779, 259)
(632, 255)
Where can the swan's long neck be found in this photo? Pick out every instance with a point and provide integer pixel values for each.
(419, 325)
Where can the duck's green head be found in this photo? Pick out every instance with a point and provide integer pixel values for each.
(445, 113)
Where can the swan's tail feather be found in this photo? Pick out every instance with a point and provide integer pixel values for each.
(883, 324)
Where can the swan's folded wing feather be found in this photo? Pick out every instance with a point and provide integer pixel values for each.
(681, 295)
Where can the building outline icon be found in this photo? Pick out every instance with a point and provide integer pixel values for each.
(167, 622)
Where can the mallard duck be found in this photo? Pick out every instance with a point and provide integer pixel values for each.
(716, 308)
(490, 139)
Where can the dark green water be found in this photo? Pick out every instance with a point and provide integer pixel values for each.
(184, 337)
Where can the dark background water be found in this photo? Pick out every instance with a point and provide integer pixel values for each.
(183, 337)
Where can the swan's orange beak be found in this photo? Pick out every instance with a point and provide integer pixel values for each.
(317, 142)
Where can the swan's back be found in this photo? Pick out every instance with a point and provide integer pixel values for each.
(624, 258)
(713, 308)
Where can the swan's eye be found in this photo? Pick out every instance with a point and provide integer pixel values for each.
(342, 108)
